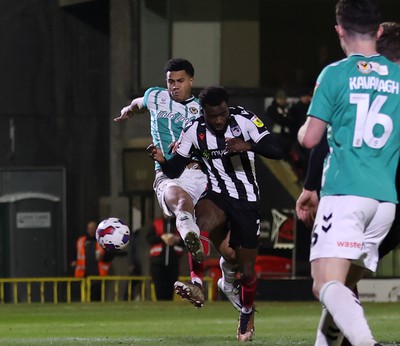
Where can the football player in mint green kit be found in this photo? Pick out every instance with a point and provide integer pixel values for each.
(171, 109)
(358, 100)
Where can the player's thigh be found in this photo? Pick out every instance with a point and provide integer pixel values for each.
(324, 270)
(225, 249)
(375, 232)
(194, 182)
(355, 274)
(171, 192)
(392, 239)
(339, 228)
(210, 217)
(244, 219)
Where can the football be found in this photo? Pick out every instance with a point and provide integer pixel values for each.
(112, 234)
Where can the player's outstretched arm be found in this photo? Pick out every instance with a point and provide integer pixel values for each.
(136, 107)
(269, 147)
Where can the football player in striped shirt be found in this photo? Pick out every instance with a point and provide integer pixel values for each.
(227, 139)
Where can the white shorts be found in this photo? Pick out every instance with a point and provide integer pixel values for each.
(351, 227)
(193, 181)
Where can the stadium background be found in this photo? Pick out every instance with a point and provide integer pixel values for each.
(69, 66)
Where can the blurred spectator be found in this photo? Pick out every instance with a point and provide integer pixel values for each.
(278, 121)
(91, 259)
(298, 114)
(166, 249)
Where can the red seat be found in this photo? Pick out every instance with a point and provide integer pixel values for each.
(267, 266)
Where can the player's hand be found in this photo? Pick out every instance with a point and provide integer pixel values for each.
(169, 238)
(306, 206)
(236, 145)
(126, 112)
(155, 153)
(173, 147)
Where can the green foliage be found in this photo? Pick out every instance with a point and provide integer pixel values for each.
(174, 323)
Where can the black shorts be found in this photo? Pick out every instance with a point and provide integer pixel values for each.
(243, 218)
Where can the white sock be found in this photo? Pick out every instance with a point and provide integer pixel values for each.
(347, 313)
(185, 223)
(328, 334)
(228, 271)
(197, 280)
(247, 311)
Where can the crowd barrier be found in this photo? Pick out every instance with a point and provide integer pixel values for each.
(70, 289)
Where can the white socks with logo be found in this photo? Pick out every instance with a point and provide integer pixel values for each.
(347, 313)
(228, 272)
(328, 334)
(185, 223)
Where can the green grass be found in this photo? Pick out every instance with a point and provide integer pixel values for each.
(174, 323)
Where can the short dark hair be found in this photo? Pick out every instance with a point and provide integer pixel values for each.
(179, 64)
(358, 16)
(389, 43)
(213, 96)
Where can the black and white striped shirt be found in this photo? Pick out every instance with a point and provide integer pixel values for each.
(231, 175)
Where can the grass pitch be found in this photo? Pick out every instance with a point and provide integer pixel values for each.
(174, 323)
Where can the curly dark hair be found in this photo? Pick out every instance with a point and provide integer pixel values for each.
(179, 64)
(358, 16)
(389, 43)
(213, 96)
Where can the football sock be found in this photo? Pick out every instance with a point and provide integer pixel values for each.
(249, 287)
(196, 270)
(347, 313)
(205, 241)
(328, 334)
(247, 311)
(228, 271)
(185, 223)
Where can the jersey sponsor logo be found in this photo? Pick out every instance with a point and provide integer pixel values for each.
(206, 154)
(350, 244)
(257, 121)
(193, 110)
(367, 67)
(176, 117)
(213, 154)
(236, 131)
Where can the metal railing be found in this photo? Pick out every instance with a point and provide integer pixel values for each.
(70, 289)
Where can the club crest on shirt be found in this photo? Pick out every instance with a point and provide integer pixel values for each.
(236, 131)
(257, 121)
(367, 67)
(193, 110)
(364, 67)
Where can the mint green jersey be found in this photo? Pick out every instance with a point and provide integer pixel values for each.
(359, 99)
(167, 117)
